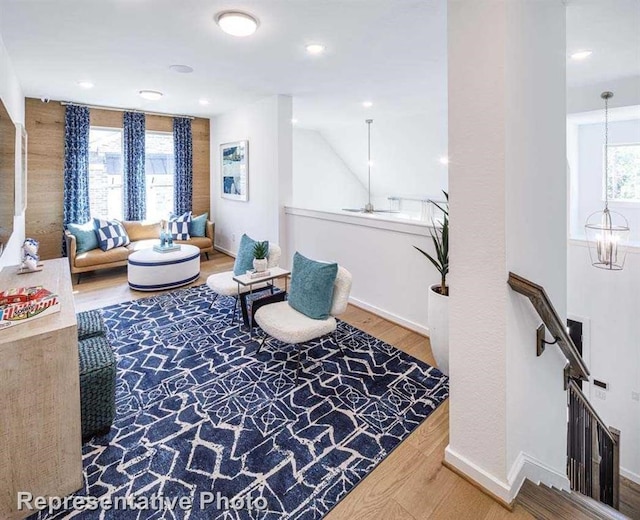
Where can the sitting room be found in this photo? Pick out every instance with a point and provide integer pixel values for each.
(225, 269)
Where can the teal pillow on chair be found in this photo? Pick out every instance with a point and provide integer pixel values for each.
(197, 226)
(311, 291)
(85, 234)
(244, 257)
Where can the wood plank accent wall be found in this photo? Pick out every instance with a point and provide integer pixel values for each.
(45, 128)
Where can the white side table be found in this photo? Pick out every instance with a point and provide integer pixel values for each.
(244, 280)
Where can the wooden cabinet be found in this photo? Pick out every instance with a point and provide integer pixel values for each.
(40, 443)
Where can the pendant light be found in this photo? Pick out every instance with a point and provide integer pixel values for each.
(607, 231)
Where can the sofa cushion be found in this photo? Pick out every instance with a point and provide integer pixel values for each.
(138, 230)
(99, 257)
(111, 234)
(143, 244)
(179, 226)
(311, 289)
(198, 225)
(85, 234)
(201, 242)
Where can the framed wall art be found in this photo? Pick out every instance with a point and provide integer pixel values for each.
(234, 170)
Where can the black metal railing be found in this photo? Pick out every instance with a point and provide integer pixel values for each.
(593, 451)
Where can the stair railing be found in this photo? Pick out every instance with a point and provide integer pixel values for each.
(593, 449)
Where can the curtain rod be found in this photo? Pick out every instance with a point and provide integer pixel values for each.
(115, 109)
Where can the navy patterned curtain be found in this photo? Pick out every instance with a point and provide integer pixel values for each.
(183, 182)
(76, 167)
(133, 183)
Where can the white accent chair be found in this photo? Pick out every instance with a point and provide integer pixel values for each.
(284, 323)
(223, 284)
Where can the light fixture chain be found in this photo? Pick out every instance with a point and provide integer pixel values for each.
(606, 152)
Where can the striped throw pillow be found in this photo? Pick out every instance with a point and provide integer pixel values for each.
(179, 226)
(110, 233)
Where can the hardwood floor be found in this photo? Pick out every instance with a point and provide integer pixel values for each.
(411, 483)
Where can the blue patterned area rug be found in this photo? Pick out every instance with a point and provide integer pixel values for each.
(200, 414)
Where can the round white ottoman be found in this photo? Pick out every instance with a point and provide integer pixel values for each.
(148, 270)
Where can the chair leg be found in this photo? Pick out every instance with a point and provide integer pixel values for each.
(207, 255)
(78, 280)
(235, 306)
(336, 341)
(298, 365)
(214, 300)
(261, 343)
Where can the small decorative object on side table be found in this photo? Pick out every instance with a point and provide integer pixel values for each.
(260, 252)
(30, 258)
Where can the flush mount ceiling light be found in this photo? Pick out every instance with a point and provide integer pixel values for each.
(315, 48)
(151, 95)
(367, 104)
(237, 23)
(204, 101)
(181, 69)
(294, 121)
(444, 160)
(607, 231)
(85, 84)
(581, 55)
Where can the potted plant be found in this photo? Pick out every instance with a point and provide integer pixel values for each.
(260, 252)
(438, 317)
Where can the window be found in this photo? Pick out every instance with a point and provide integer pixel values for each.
(106, 167)
(105, 172)
(624, 172)
(159, 170)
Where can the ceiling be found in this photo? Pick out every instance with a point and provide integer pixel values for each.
(611, 29)
(385, 51)
(392, 52)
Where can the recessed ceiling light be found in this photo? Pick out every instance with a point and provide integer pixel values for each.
(151, 95)
(581, 55)
(204, 101)
(237, 23)
(85, 84)
(294, 121)
(315, 48)
(367, 104)
(444, 160)
(181, 69)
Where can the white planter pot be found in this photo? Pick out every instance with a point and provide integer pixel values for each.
(438, 322)
(260, 265)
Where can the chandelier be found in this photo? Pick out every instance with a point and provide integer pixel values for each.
(607, 231)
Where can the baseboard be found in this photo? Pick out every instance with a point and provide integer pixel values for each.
(528, 467)
(487, 483)
(225, 251)
(505, 493)
(394, 318)
(634, 477)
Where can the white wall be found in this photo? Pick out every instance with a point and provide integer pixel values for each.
(266, 124)
(610, 302)
(321, 179)
(390, 277)
(405, 152)
(13, 98)
(508, 212)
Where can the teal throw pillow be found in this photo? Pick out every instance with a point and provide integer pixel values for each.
(311, 290)
(244, 257)
(197, 226)
(85, 234)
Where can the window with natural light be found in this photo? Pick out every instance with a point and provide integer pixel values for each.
(624, 172)
(159, 170)
(105, 172)
(106, 167)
